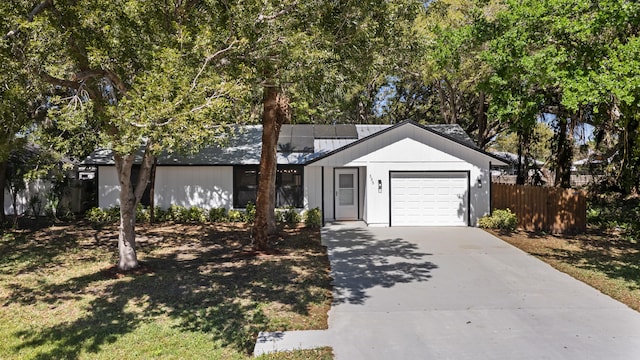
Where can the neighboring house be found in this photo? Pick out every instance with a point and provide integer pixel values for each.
(31, 200)
(386, 175)
(537, 174)
(38, 194)
(512, 162)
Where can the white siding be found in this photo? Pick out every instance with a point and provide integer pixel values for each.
(362, 187)
(37, 188)
(202, 186)
(312, 187)
(328, 193)
(108, 187)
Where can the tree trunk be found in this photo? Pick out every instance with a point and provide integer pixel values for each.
(444, 108)
(275, 113)
(3, 184)
(453, 103)
(482, 121)
(521, 174)
(563, 154)
(152, 191)
(271, 214)
(128, 258)
(129, 198)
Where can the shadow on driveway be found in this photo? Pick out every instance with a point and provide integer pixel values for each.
(361, 261)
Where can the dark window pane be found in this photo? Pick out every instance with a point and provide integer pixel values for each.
(345, 181)
(289, 186)
(245, 185)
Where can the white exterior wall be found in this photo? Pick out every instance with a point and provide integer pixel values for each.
(415, 157)
(312, 187)
(405, 149)
(362, 188)
(202, 186)
(108, 187)
(328, 193)
(38, 188)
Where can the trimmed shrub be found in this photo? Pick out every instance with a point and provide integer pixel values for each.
(142, 214)
(113, 214)
(313, 218)
(279, 214)
(98, 216)
(235, 215)
(161, 215)
(500, 219)
(177, 213)
(217, 215)
(250, 213)
(195, 214)
(291, 216)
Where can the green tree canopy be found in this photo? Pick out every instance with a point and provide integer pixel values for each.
(135, 74)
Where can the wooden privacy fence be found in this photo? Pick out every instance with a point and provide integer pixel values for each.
(554, 210)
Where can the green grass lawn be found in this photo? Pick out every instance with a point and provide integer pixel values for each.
(608, 262)
(200, 293)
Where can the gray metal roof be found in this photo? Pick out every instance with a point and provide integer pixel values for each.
(298, 144)
(512, 158)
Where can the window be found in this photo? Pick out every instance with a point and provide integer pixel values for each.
(245, 185)
(289, 185)
(289, 190)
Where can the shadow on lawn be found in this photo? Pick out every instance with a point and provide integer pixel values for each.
(30, 254)
(360, 261)
(616, 257)
(206, 281)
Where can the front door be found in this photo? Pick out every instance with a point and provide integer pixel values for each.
(346, 194)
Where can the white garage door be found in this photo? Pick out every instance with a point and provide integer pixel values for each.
(429, 198)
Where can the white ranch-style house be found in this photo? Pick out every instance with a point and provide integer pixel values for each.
(405, 174)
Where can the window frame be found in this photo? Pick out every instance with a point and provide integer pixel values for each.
(294, 186)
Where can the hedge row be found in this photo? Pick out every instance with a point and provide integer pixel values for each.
(180, 214)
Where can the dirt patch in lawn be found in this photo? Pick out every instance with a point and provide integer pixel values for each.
(605, 261)
(198, 278)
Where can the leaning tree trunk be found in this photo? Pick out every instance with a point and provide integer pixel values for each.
(129, 198)
(275, 113)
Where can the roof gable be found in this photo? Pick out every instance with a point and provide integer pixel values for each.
(453, 134)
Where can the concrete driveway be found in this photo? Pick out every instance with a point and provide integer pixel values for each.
(457, 293)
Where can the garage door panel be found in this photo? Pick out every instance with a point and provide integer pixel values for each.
(429, 198)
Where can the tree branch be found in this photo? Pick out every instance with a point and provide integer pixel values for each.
(60, 82)
(206, 62)
(37, 10)
(263, 18)
(145, 171)
(115, 79)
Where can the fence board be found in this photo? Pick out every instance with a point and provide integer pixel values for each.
(543, 208)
